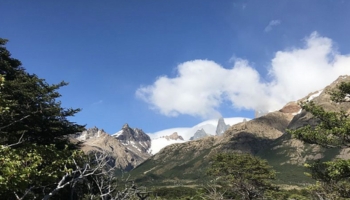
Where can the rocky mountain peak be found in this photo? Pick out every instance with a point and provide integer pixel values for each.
(199, 134)
(128, 147)
(128, 134)
(89, 134)
(134, 139)
(221, 127)
(173, 136)
(126, 126)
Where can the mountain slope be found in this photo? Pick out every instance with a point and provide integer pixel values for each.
(188, 161)
(289, 153)
(264, 136)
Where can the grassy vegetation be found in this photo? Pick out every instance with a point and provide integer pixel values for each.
(192, 170)
(287, 173)
(205, 193)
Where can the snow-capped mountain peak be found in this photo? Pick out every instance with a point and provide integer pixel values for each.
(133, 138)
(208, 127)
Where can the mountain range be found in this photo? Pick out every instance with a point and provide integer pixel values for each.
(183, 154)
(129, 147)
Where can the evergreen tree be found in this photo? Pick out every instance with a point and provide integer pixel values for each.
(34, 110)
(243, 175)
(332, 131)
(34, 146)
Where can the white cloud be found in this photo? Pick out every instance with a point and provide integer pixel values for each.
(197, 90)
(271, 24)
(201, 86)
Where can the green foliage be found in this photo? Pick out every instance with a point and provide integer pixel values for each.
(331, 190)
(244, 174)
(342, 91)
(333, 130)
(288, 194)
(333, 178)
(3, 103)
(34, 149)
(177, 193)
(32, 167)
(181, 170)
(330, 171)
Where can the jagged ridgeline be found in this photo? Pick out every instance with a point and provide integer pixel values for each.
(128, 148)
(265, 137)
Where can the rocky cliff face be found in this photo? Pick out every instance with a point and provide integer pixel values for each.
(128, 149)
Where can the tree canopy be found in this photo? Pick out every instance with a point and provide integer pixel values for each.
(242, 174)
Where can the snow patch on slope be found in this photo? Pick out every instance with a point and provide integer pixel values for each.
(160, 143)
(296, 113)
(314, 95)
(117, 133)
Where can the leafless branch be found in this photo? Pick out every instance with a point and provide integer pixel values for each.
(14, 122)
(95, 168)
(18, 142)
(95, 173)
(213, 192)
(24, 195)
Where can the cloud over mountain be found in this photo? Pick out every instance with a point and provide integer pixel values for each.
(201, 86)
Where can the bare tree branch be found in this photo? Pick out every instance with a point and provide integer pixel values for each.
(14, 122)
(17, 143)
(95, 173)
(24, 195)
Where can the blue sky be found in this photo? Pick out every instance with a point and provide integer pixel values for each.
(164, 64)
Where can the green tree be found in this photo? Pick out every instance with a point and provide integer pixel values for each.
(34, 147)
(332, 131)
(33, 106)
(242, 174)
